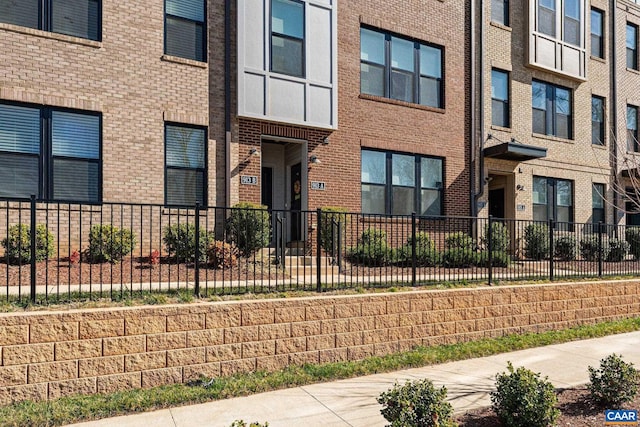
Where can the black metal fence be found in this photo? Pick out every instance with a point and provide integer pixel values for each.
(118, 250)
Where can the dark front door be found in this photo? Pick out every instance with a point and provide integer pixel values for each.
(496, 203)
(296, 201)
(267, 187)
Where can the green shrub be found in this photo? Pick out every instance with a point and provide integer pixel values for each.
(248, 227)
(327, 231)
(416, 404)
(460, 258)
(17, 244)
(632, 236)
(109, 244)
(500, 238)
(498, 259)
(459, 240)
(590, 248)
(222, 254)
(522, 398)
(565, 248)
(614, 383)
(618, 250)
(536, 241)
(372, 249)
(180, 241)
(426, 252)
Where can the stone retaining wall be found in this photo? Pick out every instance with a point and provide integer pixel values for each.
(53, 354)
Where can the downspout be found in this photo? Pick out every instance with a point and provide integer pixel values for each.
(614, 111)
(472, 101)
(478, 142)
(227, 102)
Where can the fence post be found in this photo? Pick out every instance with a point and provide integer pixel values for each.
(414, 247)
(490, 248)
(552, 224)
(318, 250)
(197, 261)
(32, 250)
(600, 249)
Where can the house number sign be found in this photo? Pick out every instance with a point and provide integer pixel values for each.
(248, 180)
(317, 185)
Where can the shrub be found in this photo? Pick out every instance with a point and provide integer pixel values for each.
(500, 238)
(536, 241)
(632, 236)
(589, 248)
(426, 253)
(618, 250)
(459, 258)
(17, 244)
(459, 240)
(222, 254)
(498, 259)
(248, 227)
(372, 249)
(180, 240)
(565, 248)
(522, 398)
(109, 244)
(329, 214)
(614, 383)
(416, 404)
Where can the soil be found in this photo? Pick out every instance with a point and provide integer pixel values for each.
(576, 410)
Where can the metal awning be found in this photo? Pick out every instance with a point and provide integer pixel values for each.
(515, 151)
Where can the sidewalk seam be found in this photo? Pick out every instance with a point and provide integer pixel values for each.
(325, 406)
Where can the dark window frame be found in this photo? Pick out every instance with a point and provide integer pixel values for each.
(600, 46)
(504, 19)
(551, 202)
(506, 102)
(599, 214)
(180, 18)
(632, 145)
(417, 72)
(205, 170)
(46, 157)
(45, 19)
(551, 104)
(302, 40)
(632, 52)
(601, 138)
(417, 187)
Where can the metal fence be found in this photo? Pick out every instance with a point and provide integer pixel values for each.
(118, 250)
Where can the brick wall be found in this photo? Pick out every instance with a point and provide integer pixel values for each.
(48, 355)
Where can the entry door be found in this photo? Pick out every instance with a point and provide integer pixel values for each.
(267, 187)
(496, 203)
(296, 201)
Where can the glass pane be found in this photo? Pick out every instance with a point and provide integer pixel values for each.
(185, 147)
(287, 18)
(632, 118)
(547, 18)
(188, 9)
(540, 213)
(563, 126)
(286, 56)
(431, 173)
(20, 12)
(632, 140)
(18, 175)
(19, 129)
(430, 61)
(75, 135)
(597, 216)
(572, 9)
(403, 170)
(597, 121)
(431, 92)
(539, 95)
(371, 46)
(563, 101)
(597, 196)
(374, 167)
(631, 37)
(402, 86)
(597, 133)
(539, 121)
(430, 203)
(563, 193)
(79, 18)
(596, 46)
(76, 180)
(403, 201)
(499, 85)
(499, 113)
(372, 79)
(631, 59)
(184, 39)
(185, 187)
(564, 214)
(498, 11)
(539, 190)
(402, 54)
(572, 31)
(373, 199)
(596, 22)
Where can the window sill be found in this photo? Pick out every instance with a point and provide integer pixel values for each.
(401, 103)
(183, 61)
(599, 146)
(552, 138)
(50, 35)
(500, 128)
(634, 71)
(501, 26)
(598, 59)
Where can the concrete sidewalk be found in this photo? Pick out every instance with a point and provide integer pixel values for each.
(353, 402)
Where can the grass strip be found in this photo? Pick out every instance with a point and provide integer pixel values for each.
(82, 408)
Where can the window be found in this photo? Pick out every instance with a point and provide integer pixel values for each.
(184, 29)
(399, 184)
(631, 206)
(572, 22)
(287, 37)
(78, 18)
(185, 160)
(552, 199)
(547, 17)
(51, 153)
(597, 120)
(597, 31)
(560, 19)
(500, 98)
(500, 11)
(551, 110)
(597, 196)
(632, 128)
(632, 46)
(399, 68)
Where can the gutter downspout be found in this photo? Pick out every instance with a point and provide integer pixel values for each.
(227, 102)
(478, 115)
(472, 133)
(614, 110)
